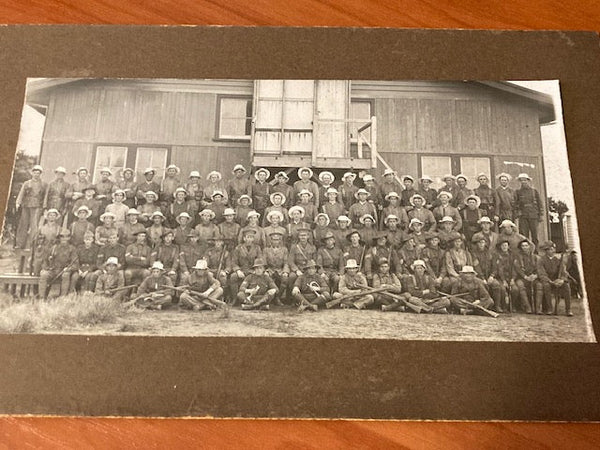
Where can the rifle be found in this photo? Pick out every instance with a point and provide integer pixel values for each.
(363, 290)
(60, 274)
(220, 262)
(147, 294)
(477, 306)
(403, 302)
(206, 300)
(122, 288)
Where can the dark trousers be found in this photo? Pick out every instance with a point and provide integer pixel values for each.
(529, 226)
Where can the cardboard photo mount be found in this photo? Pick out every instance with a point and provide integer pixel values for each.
(308, 377)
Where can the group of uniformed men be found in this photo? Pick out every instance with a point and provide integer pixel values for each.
(254, 242)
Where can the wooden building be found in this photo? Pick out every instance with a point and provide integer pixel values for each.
(416, 127)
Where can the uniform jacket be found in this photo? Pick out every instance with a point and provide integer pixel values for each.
(456, 259)
(144, 187)
(55, 195)
(275, 229)
(236, 187)
(358, 209)
(351, 283)
(528, 203)
(126, 235)
(32, 194)
(551, 269)
(215, 255)
(117, 250)
(441, 211)
(357, 253)
(425, 216)
(309, 185)
(417, 284)
(201, 283)
(277, 259)
(504, 202)
(435, 260)
(137, 256)
(78, 229)
(108, 281)
(264, 282)
(524, 264)
(153, 284)
(330, 259)
(88, 257)
(190, 253)
(166, 254)
(475, 290)
(260, 193)
(303, 282)
(333, 210)
(60, 257)
(390, 278)
(502, 266)
(300, 254)
(167, 188)
(243, 256)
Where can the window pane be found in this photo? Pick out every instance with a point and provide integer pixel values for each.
(304, 89)
(111, 157)
(155, 158)
(298, 115)
(234, 119)
(360, 113)
(471, 167)
(436, 167)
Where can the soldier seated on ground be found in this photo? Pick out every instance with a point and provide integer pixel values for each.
(258, 289)
(552, 273)
(310, 290)
(152, 294)
(350, 289)
(204, 291)
(59, 264)
(422, 289)
(111, 281)
(474, 290)
(383, 278)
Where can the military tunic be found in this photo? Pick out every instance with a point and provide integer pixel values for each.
(78, 230)
(56, 195)
(127, 232)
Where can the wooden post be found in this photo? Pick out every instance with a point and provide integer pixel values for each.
(374, 153)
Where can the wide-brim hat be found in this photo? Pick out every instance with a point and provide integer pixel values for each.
(504, 174)
(282, 174)
(477, 238)
(412, 198)
(351, 264)
(277, 194)
(302, 169)
(507, 223)
(182, 214)
(87, 210)
(208, 212)
(266, 172)
(322, 215)
(148, 170)
(195, 174)
(502, 241)
(446, 193)
(38, 168)
(246, 197)
(135, 233)
(229, 212)
(64, 232)
(216, 173)
(105, 215)
(349, 175)
(117, 192)
(448, 176)
(168, 231)
(157, 265)
(172, 166)
(246, 231)
(378, 236)
(238, 167)
(391, 194)
(81, 169)
(523, 176)
(430, 235)
(522, 241)
(296, 208)
(259, 262)
(271, 214)
(473, 197)
(201, 264)
(157, 214)
(390, 217)
(309, 264)
(133, 211)
(485, 219)
(217, 192)
(418, 262)
(60, 169)
(407, 237)
(112, 260)
(414, 221)
(546, 245)
(446, 219)
(349, 235)
(147, 193)
(252, 214)
(106, 170)
(365, 217)
(463, 176)
(408, 177)
(343, 218)
(389, 172)
(481, 174)
(193, 233)
(128, 169)
(328, 235)
(90, 187)
(467, 269)
(180, 189)
(368, 177)
(426, 178)
(326, 172)
(303, 231)
(361, 191)
(332, 190)
(55, 211)
(306, 191)
(455, 235)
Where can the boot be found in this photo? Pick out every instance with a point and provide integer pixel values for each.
(525, 300)
(539, 297)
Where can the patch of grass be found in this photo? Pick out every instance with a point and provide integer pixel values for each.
(70, 311)
(127, 328)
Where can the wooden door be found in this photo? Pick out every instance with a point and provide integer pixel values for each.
(331, 132)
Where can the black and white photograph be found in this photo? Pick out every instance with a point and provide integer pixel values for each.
(380, 209)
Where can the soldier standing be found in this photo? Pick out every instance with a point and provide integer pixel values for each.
(127, 185)
(284, 188)
(445, 209)
(104, 188)
(75, 192)
(348, 190)
(331, 206)
(310, 290)
(408, 191)
(394, 208)
(179, 205)
(242, 209)
(450, 187)
(137, 259)
(118, 208)
(238, 185)
(147, 185)
(229, 229)
(389, 183)
(30, 202)
(260, 190)
(361, 207)
(486, 232)
(529, 208)
(462, 193)
(428, 193)
(326, 179)
(258, 289)
(168, 185)
(305, 174)
(471, 215)
(90, 201)
(421, 213)
(504, 199)
(56, 192)
(277, 204)
(485, 194)
(60, 263)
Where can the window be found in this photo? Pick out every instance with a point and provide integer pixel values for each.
(234, 117)
(360, 114)
(154, 157)
(112, 157)
(437, 166)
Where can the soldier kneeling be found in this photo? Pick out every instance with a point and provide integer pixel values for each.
(152, 293)
(310, 289)
(204, 289)
(258, 289)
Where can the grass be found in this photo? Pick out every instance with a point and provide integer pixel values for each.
(31, 315)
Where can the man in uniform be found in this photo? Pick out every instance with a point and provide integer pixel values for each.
(30, 202)
(81, 226)
(189, 253)
(310, 290)
(326, 178)
(56, 192)
(167, 253)
(553, 277)
(389, 183)
(151, 294)
(104, 188)
(238, 185)
(277, 267)
(485, 194)
(491, 237)
(260, 190)
(380, 250)
(285, 189)
(356, 250)
(428, 193)
(299, 255)
(408, 191)
(127, 185)
(348, 190)
(112, 249)
(471, 215)
(305, 174)
(60, 263)
(462, 193)
(526, 278)
(474, 288)
(352, 283)
(501, 279)
(131, 226)
(137, 259)
(384, 278)
(450, 187)
(258, 289)
(421, 213)
(457, 256)
(445, 209)
(217, 258)
(422, 289)
(204, 291)
(183, 228)
(168, 185)
(75, 192)
(84, 279)
(361, 207)
(242, 259)
(529, 208)
(147, 185)
(504, 199)
(111, 281)
(330, 259)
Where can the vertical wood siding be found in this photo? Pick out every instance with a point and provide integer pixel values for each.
(206, 159)
(70, 155)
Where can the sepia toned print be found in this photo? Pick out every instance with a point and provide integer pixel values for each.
(305, 208)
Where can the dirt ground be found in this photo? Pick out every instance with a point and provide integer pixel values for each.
(286, 322)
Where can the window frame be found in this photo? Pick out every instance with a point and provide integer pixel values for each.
(131, 155)
(227, 138)
(455, 162)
